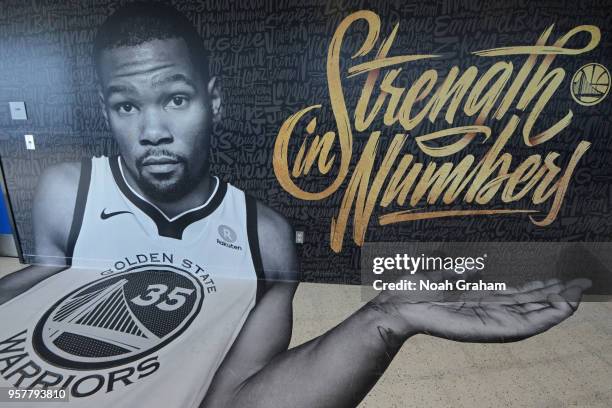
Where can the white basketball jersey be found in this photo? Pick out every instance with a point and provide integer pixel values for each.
(150, 306)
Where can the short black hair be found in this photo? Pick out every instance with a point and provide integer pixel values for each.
(142, 21)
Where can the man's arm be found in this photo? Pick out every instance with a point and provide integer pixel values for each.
(338, 368)
(52, 211)
(267, 330)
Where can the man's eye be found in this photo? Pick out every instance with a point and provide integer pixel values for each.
(125, 108)
(177, 102)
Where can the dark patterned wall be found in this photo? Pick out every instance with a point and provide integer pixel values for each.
(271, 58)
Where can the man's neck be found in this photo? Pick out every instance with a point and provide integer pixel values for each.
(195, 198)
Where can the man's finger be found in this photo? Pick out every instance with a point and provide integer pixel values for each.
(572, 296)
(529, 286)
(533, 285)
(542, 319)
(555, 286)
(558, 302)
(582, 283)
(532, 292)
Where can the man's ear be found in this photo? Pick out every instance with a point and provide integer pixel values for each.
(214, 93)
(102, 103)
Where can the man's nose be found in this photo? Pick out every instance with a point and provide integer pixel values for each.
(154, 130)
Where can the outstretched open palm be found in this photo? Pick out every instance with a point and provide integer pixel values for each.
(511, 315)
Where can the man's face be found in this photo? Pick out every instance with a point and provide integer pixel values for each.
(159, 110)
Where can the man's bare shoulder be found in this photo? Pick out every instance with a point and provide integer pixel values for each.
(61, 175)
(276, 242)
(57, 184)
(53, 206)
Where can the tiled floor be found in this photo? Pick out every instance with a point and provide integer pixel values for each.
(8, 265)
(568, 366)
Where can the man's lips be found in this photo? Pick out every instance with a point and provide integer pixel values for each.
(160, 164)
(158, 160)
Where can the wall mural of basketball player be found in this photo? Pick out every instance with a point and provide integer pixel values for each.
(163, 286)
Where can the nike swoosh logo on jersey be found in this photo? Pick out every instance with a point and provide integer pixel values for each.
(104, 215)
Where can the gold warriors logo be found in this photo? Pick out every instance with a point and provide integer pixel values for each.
(590, 84)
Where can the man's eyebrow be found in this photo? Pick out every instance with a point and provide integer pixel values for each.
(174, 78)
(111, 89)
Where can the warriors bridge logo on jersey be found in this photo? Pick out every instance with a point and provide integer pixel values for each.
(121, 319)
